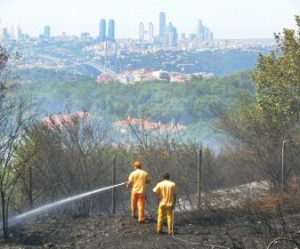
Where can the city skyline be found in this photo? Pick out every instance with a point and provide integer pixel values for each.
(222, 20)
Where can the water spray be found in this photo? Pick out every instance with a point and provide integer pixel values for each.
(19, 218)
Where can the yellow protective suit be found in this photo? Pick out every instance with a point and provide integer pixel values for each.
(166, 191)
(138, 180)
(138, 201)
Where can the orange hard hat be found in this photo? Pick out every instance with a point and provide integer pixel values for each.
(137, 165)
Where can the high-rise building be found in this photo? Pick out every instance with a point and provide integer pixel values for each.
(85, 36)
(142, 31)
(12, 32)
(172, 36)
(102, 30)
(111, 30)
(151, 32)
(162, 24)
(170, 39)
(47, 32)
(175, 37)
(200, 30)
(19, 33)
(5, 35)
(206, 34)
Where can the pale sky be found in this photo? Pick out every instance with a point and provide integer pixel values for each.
(227, 18)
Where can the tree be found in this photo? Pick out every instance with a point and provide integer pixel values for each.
(261, 127)
(277, 79)
(13, 123)
(66, 161)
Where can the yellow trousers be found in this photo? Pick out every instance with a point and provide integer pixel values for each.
(164, 212)
(138, 201)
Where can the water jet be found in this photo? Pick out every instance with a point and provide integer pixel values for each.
(19, 218)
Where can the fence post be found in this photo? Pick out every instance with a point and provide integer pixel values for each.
(200, 154)
(113, 191)
(282, 167)
(30, 188)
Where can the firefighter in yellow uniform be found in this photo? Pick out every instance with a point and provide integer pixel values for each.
(138, 179)
(166, 192)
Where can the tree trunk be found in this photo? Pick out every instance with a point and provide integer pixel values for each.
(4, 215)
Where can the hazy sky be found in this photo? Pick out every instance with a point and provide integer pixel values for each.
(227, 18)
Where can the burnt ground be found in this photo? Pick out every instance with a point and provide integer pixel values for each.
(124, 232)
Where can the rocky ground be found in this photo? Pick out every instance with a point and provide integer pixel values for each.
(124, 232)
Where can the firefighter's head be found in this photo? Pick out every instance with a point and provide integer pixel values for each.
(166, 176)
(137, 165)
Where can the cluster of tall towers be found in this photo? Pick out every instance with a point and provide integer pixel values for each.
(14, 33)
(204, 33)
(168, 35)
(143, 34)
(107, 34)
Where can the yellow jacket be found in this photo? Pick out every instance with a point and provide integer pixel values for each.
(166, 191)
(138, 179)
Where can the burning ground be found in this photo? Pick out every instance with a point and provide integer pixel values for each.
(227, 219)
(233, 228)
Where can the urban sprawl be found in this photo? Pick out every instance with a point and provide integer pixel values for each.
(163, 56)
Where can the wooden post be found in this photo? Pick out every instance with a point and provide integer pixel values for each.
(30, 188)
(113, 191)
(282, 167)
(199, 178)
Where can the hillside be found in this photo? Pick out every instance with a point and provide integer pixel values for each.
(123, 232)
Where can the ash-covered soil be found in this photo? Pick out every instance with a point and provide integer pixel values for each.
(124, 232)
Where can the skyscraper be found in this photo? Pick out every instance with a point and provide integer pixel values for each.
(151, 32)
(19, 33)
(47, 32)
(5, 35)
(12, 32)
(102, 30)
(111, 30)
(206, 34)
(142, 31)
(200, 30)
(172, 36)
(162, 24)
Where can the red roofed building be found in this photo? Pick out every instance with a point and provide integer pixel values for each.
(123, 125)
(67, 121)
(104, 78)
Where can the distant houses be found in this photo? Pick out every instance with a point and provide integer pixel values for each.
(124, 126)
(67, 121)
(143, 75)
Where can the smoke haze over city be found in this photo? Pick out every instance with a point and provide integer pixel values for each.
(221, 16)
